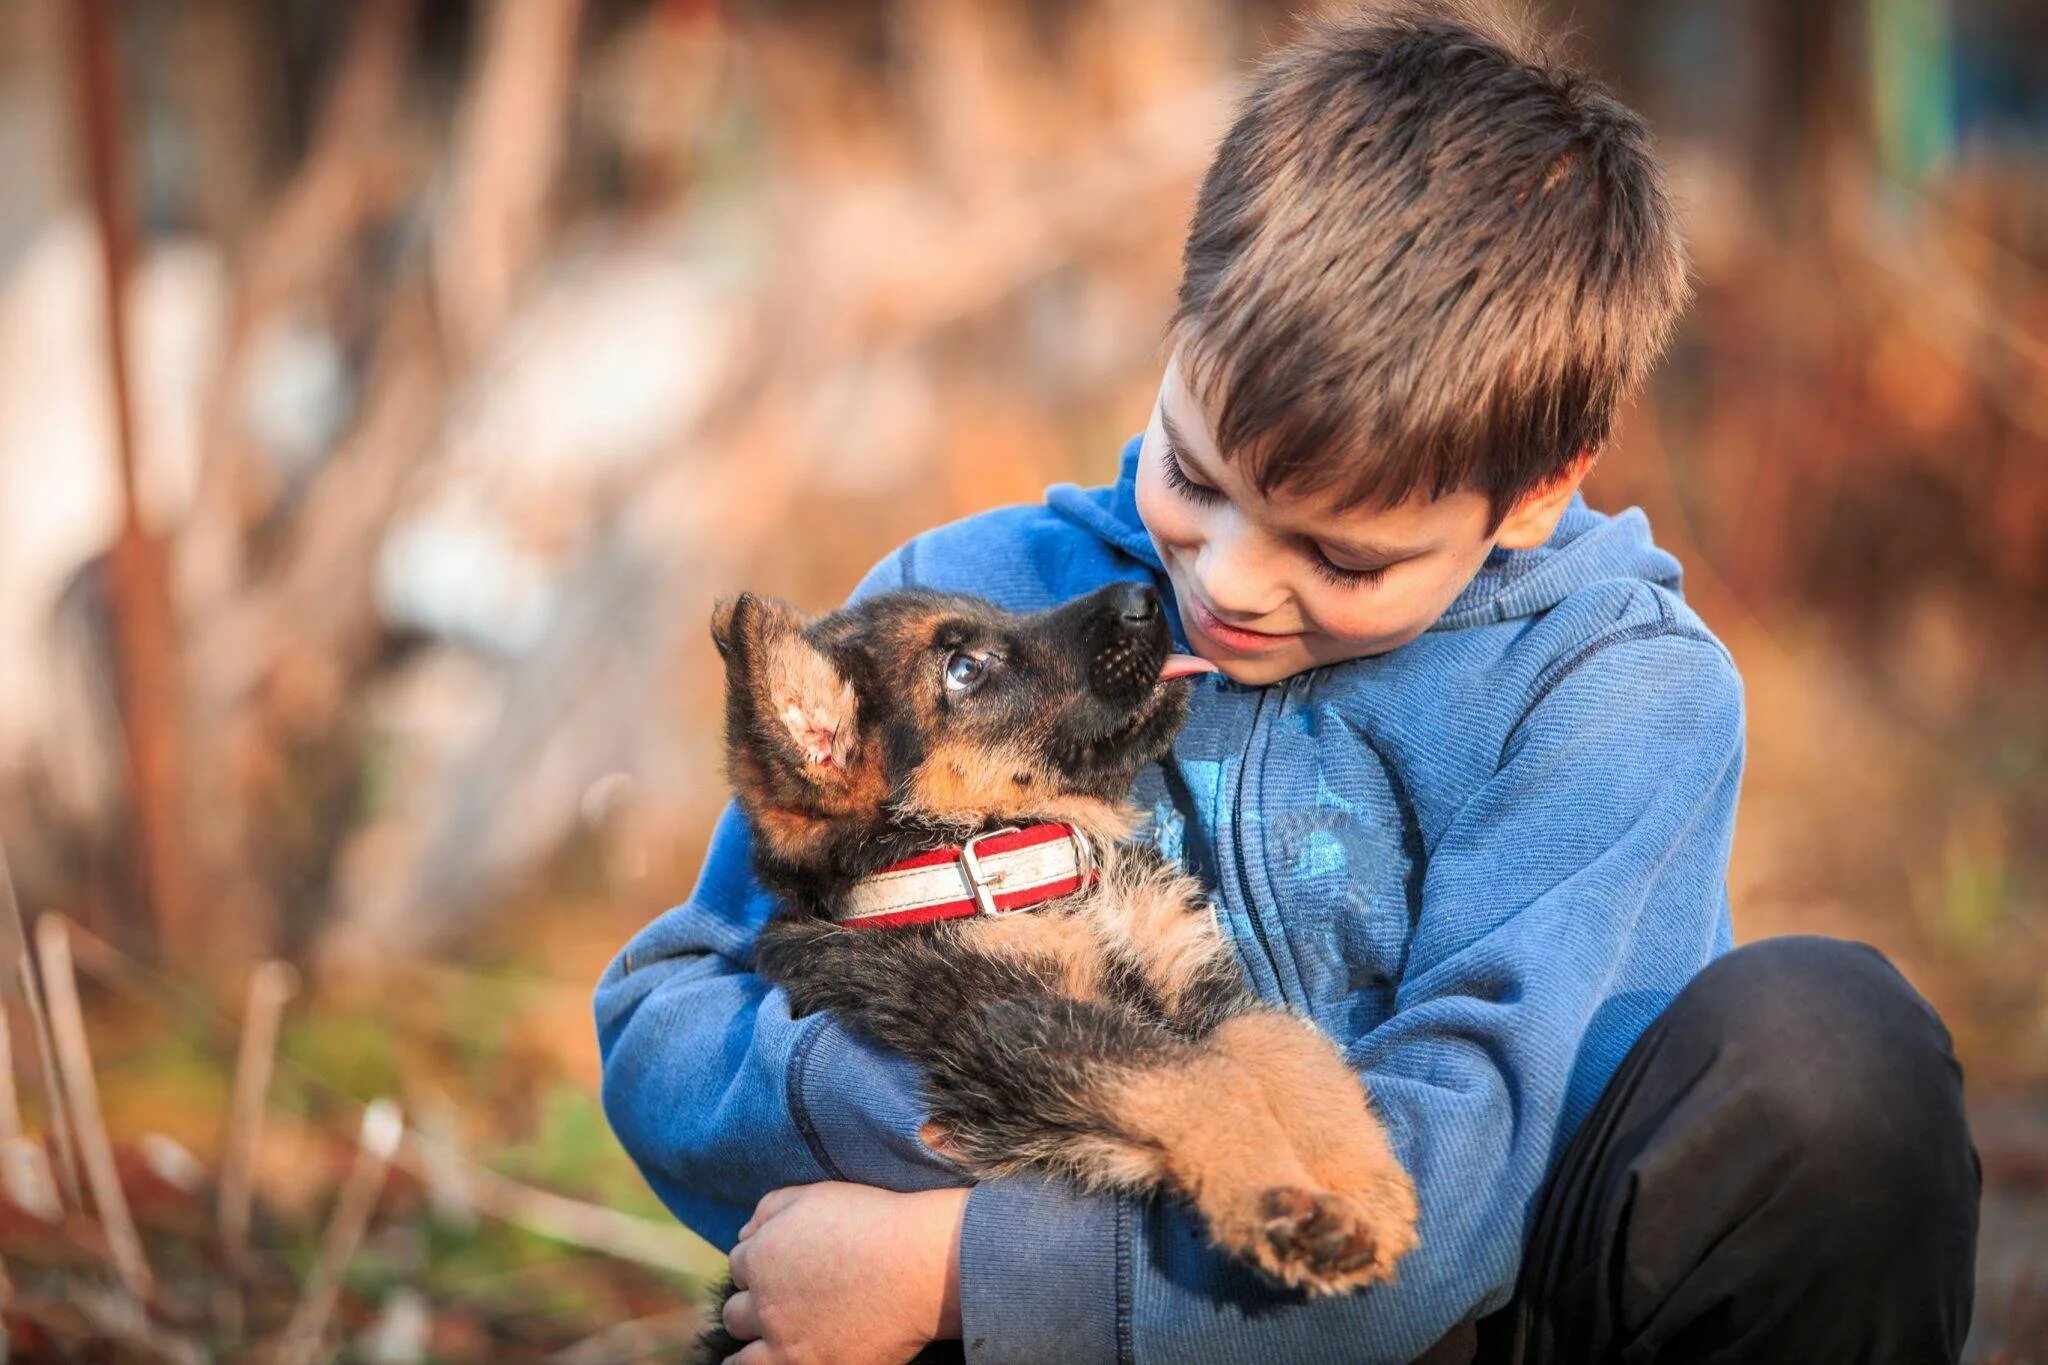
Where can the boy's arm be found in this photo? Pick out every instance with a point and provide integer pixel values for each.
(1548, 939)
(716, 1093)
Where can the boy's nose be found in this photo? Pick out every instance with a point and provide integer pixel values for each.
(1235, 575)
(1136, 605)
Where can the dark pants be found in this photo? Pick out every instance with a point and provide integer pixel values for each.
(1779, 1171)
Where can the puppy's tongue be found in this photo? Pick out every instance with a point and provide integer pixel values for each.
(1185, 665)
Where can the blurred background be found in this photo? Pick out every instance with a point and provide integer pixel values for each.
(356, 699)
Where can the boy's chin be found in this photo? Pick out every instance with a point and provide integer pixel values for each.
(1263, 670)
(1258, 672)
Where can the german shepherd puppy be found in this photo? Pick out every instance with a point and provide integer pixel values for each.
(1106, 1034)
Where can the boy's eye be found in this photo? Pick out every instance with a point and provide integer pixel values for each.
(1343, 577)
(964, 671)
(1177, 477)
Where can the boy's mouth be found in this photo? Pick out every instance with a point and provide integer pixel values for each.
(1234, 638)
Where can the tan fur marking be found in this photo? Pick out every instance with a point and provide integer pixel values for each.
(1066, 943)
(793, 834)
(970, 783)
(860, 788)
(1212, 1119)
(1160, 919)
(1223, 1147)
(1322, 1104)
(1101, 1163)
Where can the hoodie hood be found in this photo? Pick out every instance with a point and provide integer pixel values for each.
(1588, 547)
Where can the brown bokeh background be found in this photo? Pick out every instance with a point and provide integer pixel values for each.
(353, 588)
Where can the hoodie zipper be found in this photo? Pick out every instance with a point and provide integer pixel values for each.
(1252, 913)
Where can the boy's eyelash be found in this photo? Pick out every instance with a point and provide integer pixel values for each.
(1343, 577)
(1177, 478)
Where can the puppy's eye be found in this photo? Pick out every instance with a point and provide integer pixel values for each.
(964, 671)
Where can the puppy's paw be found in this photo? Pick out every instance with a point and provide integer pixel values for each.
(1386, 1196)
(1322, 1242)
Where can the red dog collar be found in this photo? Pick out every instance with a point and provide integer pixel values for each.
(991, 874)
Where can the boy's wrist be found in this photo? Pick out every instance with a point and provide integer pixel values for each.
(933, 1228)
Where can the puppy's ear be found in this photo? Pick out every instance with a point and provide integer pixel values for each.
(721, 625)
(792, 720)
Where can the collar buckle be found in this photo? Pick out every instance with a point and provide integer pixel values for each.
(1084, 853)
(977, 878)
(983, 887)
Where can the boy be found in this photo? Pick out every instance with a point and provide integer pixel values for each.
(1464, 786)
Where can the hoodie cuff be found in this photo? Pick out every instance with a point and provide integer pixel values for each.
(860, 1109)
(1039, 1274)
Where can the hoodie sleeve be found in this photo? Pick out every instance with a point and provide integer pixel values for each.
(714, 1091)
(1568, 901)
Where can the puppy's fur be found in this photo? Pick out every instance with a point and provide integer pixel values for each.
(1109, 1036)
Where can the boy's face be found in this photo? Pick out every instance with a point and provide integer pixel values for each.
(1270, 587)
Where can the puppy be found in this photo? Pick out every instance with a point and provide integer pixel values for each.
(937, 791)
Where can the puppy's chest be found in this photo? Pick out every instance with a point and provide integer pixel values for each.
(1307, 835)
(1141, 918)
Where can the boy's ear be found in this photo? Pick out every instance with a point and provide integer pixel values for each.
(1530, 521)
(792, 720)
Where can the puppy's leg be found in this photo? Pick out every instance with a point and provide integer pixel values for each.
(1223, 1145)
(1150, 918)
(1092, 1092)
(1323, 1106)
(1156, 920)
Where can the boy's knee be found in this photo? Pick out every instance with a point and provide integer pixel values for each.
(1847, 1066)
(1802, 982)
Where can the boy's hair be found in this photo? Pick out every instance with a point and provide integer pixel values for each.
(1428, 257)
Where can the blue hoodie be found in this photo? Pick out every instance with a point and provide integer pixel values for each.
(1483, 862)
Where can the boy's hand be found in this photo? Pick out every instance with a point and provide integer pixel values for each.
(846, 1273)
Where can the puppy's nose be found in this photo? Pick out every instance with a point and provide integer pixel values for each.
(1137, 606)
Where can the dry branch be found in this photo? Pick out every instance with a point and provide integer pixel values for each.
(652, 1338)
(301, 245)
(59, 1116)
(67, 1020)
(14, 950)
(145, 624)
(122, 1321)
(382, 1128)
(24, 1166)
(10, 1102)
(511, 141)
(271, 986)
(590, 1226)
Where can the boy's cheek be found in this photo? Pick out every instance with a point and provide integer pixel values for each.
(1168, 522)
(1373, 623)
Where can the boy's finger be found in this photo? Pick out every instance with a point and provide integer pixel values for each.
(736, 1265)
(739, 1316)
(772, 1203)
